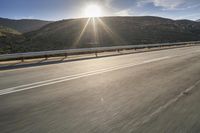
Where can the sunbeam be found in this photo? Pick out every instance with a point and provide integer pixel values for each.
(115, 37)
(82, 32)
(95, 30)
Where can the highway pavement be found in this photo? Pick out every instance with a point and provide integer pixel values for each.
(152, 92)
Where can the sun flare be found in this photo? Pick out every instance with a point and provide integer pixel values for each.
(93, 11)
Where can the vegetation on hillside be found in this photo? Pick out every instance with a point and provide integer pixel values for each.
(107, 31)
(23, 25)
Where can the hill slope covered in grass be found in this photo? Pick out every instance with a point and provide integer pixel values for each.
(7, 38)
(23, 25)
(4, 31)
(11, 33)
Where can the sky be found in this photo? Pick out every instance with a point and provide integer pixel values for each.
(66, 9)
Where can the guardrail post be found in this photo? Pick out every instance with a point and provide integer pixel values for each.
(96, 54)
(66, 55)
(22, 59)
(46, 57)
(118, 50)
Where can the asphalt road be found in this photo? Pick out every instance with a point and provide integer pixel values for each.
(153, 92)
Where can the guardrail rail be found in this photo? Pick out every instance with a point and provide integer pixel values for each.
(46, 54)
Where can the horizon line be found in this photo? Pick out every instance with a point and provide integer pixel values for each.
(24, 18)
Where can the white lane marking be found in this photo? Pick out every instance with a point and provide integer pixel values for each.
(71, 77)
(157, 59)
(166, 105)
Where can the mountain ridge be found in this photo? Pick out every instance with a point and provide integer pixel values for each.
(110, 31)
(23, 25)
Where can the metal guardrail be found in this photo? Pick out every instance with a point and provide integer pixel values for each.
(67, 52)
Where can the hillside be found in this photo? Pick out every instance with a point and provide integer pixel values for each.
(8, 39)
(4, 31)
(24, 25)
(107, 31)
(11, 33)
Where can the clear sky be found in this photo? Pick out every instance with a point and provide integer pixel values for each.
(64, 9)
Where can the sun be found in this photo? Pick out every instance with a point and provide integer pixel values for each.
(93, 11)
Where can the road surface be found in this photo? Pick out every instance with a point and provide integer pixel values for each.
(153, 92)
